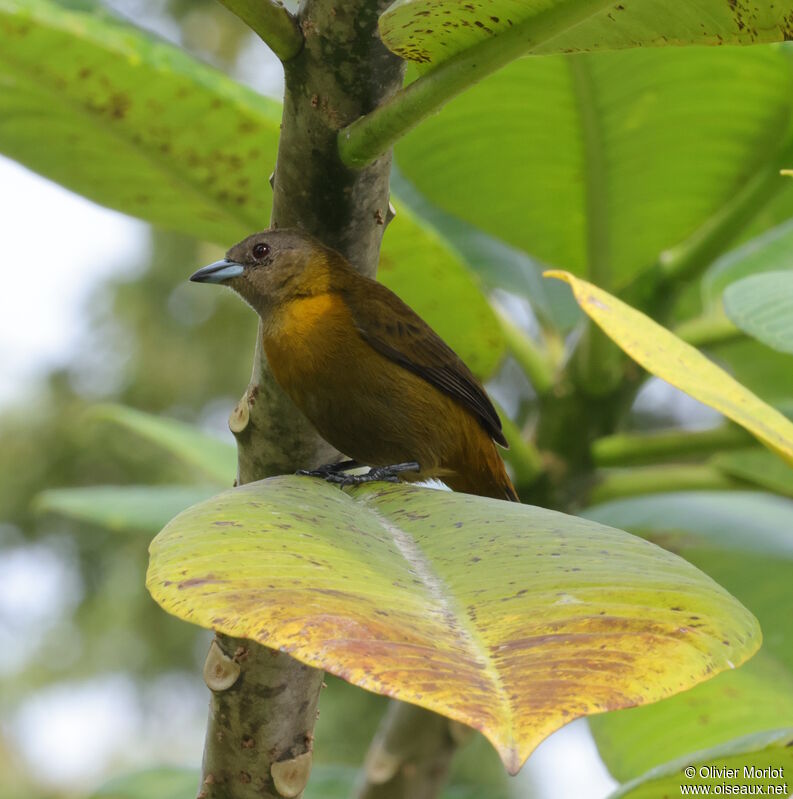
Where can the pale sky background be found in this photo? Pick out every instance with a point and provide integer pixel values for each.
(56, 247)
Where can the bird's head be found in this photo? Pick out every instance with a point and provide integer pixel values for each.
(270, 268)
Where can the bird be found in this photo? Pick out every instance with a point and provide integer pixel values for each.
(373, 378)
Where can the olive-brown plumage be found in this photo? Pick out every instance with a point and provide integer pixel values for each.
(372, 376)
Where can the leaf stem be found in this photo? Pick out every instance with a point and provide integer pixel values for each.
(273, 24)
(532, 360)
(598, 363)
(692, 256)
(618, 483)
(708, 329)
(410, 755)
(522, 455)
(629, 448)
(367, 138)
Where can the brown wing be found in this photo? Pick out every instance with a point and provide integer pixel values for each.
(396, 331)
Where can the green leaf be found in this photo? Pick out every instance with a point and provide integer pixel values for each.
(762, 306)
(339, 782)
(326, 782)
(140, 509)
(758, 466)
(431, 277)
(755, 698)
(217, 459)
(133, 123)
(331, 782)
(762, 583)
(435, 30)
(629, 156)
(497, 265)
(762, 751)
(742, 521)
(509, 618)
(156, 783)
(769, 252)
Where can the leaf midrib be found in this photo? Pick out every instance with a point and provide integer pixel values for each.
(596, 216)
(437, 590)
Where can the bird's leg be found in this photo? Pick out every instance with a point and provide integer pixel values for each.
(334, 473)
(328, 470)
(389, 474)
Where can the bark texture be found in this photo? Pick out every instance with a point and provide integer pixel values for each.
(260, 730)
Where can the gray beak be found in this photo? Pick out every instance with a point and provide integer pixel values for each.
(217, 272)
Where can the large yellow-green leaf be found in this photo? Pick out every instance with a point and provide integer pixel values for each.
(599, 163)
(509, 618)
(665, 355)
(136, 124)
(768, 756)
(755, 698)
(435, 30)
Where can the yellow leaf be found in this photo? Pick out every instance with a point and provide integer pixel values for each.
(670, 358)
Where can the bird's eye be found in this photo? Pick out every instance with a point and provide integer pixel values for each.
(260, 250)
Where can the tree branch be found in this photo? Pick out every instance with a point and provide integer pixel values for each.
(524, 458)
(367, 138)
(243, 757)
(625, 449)
(341, 72)
(619, 483)
(708, 329)
(693, 256)
(273, 24)
(536, 365)
(411, 754)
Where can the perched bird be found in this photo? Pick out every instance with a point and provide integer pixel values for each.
(373, 378)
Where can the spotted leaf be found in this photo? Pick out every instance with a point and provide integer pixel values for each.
(509, 618)
(432, 31)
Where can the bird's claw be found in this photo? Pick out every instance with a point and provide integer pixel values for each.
(329, 470)
(335, 473)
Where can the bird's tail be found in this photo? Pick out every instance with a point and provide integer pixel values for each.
(484, 475)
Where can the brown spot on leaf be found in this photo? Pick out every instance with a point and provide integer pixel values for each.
(195, 581)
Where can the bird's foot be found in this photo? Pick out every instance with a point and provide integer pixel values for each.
(335, 473)
(388, 474)
(329, 470)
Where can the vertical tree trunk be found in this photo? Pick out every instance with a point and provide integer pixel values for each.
(263, 707)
